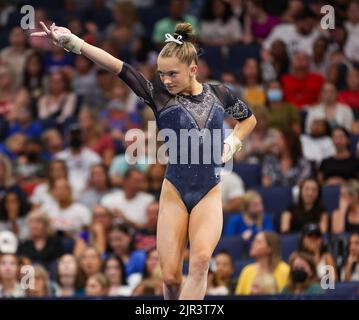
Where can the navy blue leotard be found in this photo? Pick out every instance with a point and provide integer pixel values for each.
(201, 114)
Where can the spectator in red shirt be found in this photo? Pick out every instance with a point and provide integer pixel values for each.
(351, 95)
(301, 87)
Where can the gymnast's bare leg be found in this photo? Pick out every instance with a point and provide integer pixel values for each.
(205, 227)
(172, 230)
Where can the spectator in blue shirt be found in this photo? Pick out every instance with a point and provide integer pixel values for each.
(252, 220)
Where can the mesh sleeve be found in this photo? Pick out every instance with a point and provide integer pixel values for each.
(232, 103)
(142, 87)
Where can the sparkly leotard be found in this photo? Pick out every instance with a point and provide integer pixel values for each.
(201, 114)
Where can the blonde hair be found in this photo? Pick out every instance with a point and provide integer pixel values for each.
(247, 198)
(265, 283)
(43, 218)
(352, 187)
(185, 52)
(101, 279)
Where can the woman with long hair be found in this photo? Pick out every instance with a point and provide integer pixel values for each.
(286, 165)
(303, 277)
(309, 208)
(266, 251)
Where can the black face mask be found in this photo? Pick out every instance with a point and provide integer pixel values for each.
(299, 275)
(75, 142)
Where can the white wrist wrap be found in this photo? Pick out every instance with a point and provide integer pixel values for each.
(73, 44)
(235, 145)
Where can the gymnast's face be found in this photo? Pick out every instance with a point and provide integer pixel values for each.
(176, 75)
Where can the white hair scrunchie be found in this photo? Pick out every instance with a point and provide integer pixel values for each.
(171, 38)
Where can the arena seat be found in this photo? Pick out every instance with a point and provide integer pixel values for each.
(276, 200)
(238, 54)
(239, 265)
(233, 244)
(330, 196)
(213, 56)
(289, 243)
(250, 173)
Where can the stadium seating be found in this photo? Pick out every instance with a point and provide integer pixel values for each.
(289, 243)
(233, 244)
(276, 200)
(238, 54)
(330, 195)
(250, 174)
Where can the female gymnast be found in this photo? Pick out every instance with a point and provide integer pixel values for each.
(190, 201)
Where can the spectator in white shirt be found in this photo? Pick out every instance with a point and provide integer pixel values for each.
(219, 26)
(351, 48)
(299, 36)
(99, 185)
(130, 203)
(337, 114)
(66, 215)
(43, 192)
(232, 188)
(318, 145)
(79, 160)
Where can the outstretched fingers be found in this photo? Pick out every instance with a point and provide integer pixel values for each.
(46, 29)
(44, 33)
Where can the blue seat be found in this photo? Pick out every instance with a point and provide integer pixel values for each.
(289, 243)
(238, 54)
(239, 265)
(251, 174)
(345, 288)
(214, 58)
(354, 140)
(233, 244)
(276, 200)
(4, 39)
(227, 217)
(330, 195)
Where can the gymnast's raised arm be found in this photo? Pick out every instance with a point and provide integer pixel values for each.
(63, 37)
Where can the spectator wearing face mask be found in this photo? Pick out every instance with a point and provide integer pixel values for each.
(282, 114)
(303, 275)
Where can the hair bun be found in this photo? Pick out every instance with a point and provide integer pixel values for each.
(185, 30)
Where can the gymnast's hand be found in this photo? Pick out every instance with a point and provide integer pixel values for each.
(61, 37)
(231, 145)
(226, 153)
